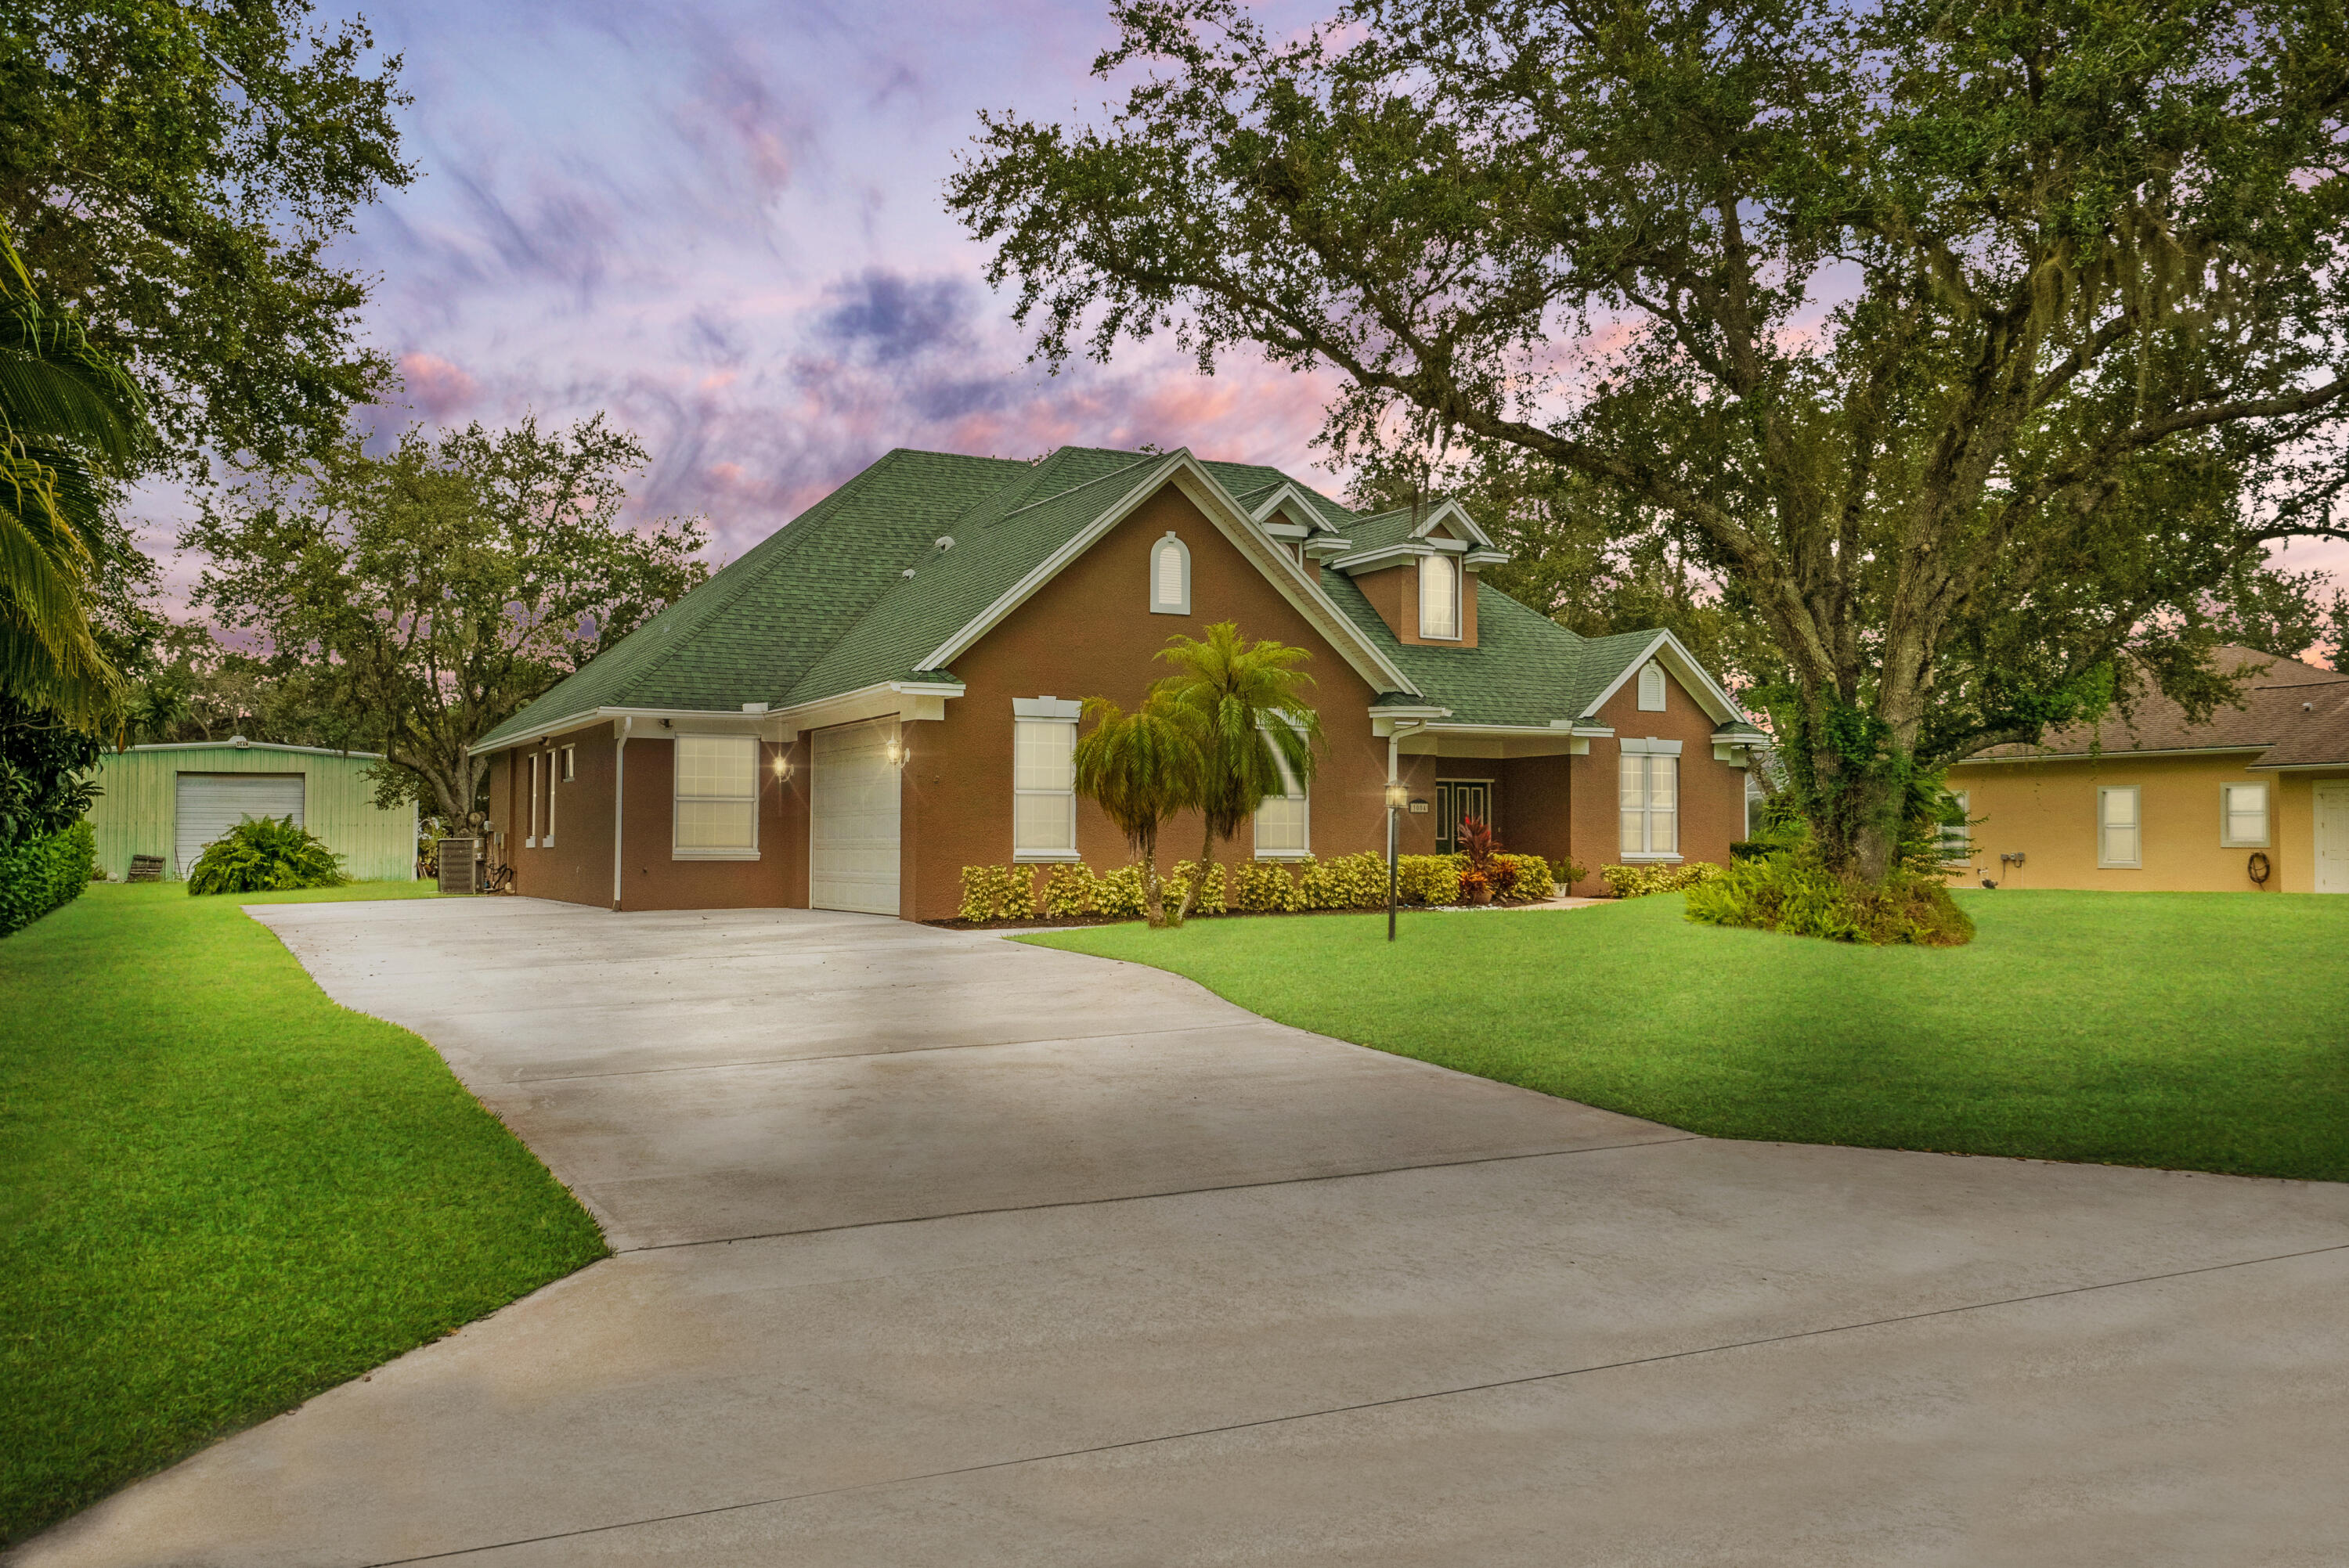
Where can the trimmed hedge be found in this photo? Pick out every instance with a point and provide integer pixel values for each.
(45, 873)
(1639, 881)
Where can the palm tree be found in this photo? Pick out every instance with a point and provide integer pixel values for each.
(71, 425)
(1244, 706)
(1142, 767)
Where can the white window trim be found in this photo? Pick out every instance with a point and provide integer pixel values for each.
(2226, 818)
(2136, 814)
(1652, 749)
(546, 840)
(1964, 841)
(1651, 668)
(1067, 711)
(1170, 541)
(530, 841)
(679, 853)
(1305, 793)
(570, 769)
(1455, 578)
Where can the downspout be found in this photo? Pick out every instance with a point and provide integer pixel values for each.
(619, 800)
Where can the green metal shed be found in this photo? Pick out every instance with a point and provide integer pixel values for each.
(173, 801)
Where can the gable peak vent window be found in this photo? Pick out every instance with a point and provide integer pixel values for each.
(1170, 576)
(1651, 687)
(1439, 597)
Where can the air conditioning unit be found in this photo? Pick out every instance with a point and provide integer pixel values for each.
(456, 865)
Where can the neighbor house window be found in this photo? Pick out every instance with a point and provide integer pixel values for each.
(546, 840)
(1649, 789)
(530, 841)
(570, 763)
(1283, 823)
(1957, 838)
(1651, 687)
(2119, 833)
(1044, 780)
(716, 798)
(1170, 576)
(1439, 596)
(2243, 821)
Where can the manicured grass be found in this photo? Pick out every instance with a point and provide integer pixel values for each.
(221, 1193)
(2206, 1032)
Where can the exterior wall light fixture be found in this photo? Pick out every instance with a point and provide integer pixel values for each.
(896, 753)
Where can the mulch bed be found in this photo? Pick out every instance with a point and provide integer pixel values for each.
(1048, 922)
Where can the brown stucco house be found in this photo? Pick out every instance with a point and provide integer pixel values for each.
(2154, 802)
(886, 689)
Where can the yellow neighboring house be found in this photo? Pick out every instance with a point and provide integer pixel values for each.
(2252, 798)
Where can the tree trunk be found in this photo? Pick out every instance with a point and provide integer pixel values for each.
(1153, 901)
(1192, 889)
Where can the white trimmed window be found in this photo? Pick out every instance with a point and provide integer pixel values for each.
(1957, 838)
(546, 840)
(530, 841)
(2119, 832)
(1651, 687)
(1439, 597)
(1170, 576)
(2243, 816)
(570, 763)
(1283, 823)
(1044, 780)
(1649, 800)
(716, 804)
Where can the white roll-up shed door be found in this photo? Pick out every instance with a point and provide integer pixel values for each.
(853, 819)
(211, 803)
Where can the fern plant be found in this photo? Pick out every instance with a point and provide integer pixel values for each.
(264, 854)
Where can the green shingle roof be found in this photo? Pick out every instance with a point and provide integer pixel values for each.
(855, 590)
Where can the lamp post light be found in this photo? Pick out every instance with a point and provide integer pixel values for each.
(1397, 797)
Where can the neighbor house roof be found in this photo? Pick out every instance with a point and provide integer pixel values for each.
(890, 574)
(2295, 715)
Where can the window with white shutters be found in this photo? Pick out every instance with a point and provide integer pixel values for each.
(2119, 833)
(2243, 816)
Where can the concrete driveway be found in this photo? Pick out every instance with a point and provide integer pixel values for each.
(939, 1249)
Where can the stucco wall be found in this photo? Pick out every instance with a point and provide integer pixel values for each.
(2047, 810)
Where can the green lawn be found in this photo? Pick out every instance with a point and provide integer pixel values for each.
(2206, 1032)
(221, 1193)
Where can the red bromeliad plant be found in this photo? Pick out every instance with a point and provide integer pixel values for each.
(1487, 876)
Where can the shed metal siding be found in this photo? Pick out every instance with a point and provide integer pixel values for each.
(136, 814)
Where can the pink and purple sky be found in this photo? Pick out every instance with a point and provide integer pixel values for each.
(722, 221)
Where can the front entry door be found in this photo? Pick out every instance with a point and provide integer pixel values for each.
(2332, 837)
(1455, 801)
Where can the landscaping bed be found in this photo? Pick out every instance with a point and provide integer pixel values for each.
(224, 1193)
(2198, 1031)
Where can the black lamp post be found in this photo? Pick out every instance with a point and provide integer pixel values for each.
(1397, 797)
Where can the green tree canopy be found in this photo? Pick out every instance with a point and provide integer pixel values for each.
(71, 426)
(1141, 768)
(427, 594)
(176, 171)
(1971, 345)
(1243, 706)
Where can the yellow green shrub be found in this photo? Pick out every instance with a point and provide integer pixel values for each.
(1265, 888)
(1211, 899)
(997, 892)
(1068, 890)
(1119, 893)
(1429, 879)
(1639, 881)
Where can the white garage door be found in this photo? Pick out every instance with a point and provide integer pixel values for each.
(211, 803)
(853, 819)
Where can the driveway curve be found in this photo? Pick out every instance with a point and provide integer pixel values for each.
(935, 1248)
